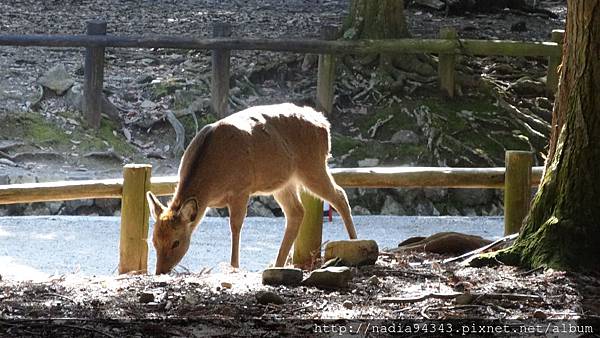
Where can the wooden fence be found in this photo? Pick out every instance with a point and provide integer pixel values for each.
(447, 47)
(517, 179)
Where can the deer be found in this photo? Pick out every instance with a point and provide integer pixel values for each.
(278, 150)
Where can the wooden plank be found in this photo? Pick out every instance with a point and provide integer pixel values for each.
(398, 46)
(60, 191)
(219, 84)
(558, 36)
(133, 244)
(326, 74)
(447, 63)
(517, 191)
(93, 77)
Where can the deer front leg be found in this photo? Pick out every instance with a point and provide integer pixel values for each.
(237, 213)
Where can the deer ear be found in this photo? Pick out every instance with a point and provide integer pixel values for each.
(189, 210)
(156, 208)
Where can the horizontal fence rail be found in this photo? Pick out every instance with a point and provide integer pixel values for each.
(60, 191)
(376, 177)
(405, 46)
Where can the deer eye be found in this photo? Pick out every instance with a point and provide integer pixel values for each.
(175, 244)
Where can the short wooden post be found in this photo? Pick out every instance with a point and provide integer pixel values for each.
(326, 74)
(220, 72)
(93, 77)
(308, 241)
(517, 189)
(133, 246)
(554, 61)
(447, 63)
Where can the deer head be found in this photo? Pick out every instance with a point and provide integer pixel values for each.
(173, 229)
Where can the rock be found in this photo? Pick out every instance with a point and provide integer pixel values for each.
(74, 97)
(540, 315)
(269, 201)
(76, 204)
(57, 79)
(226, 285)
(7, 162)
(373, 280)
(329, 278)
(392, 207)
(470, 212)
(144, 79)
(520, 26)
(353, 252)
(348, 304)
(211, 212)
(405, 137)
(435, 4)
(36, 209)
(110, 204)
(368, 162)
(282, 276)
(436, 195)
(146, 297)
(464, 299)
(257, 209)
(4, 179)
(528, 87)
(360, 210)
(268, 297)
(471, 197)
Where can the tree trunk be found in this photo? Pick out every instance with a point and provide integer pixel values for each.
(376, 19)
(563, 228)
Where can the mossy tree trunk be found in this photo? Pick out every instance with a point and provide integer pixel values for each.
(376, 19)
(563, 228)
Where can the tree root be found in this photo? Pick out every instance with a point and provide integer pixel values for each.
(444, 243)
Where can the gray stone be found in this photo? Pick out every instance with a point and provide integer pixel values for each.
(405, 137)
(353, 252)
(269, 201)
(373, 280)
(469, 212)
(74, 205)
(211, 212)
(348, 304)
(7, 162)
(108, 203)
(426, 208)
(471, 197)
(74, 97)
(282, 276)
(360, 210)
(54, 207)
(329, 278)
(257, 209)
(392, 207)
(268, 297)
(4, 179)
(436, 195)
(368, 162)
(146, 297)
(57, 79)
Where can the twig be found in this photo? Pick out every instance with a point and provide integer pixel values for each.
(482, 249)
(59, 296)
(449, 296)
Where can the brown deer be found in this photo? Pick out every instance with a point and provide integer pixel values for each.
(278, 149)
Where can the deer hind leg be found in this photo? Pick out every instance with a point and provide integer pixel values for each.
(289, 201)
(321, 183)
(237, 213)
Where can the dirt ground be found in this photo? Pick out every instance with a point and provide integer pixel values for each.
(225, 303)
(399, 289)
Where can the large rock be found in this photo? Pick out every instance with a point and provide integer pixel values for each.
(405, 137)
(57, 79)
(329, 278)
(353, 252)
(360, 210)
(257, 209)
(471, 197)
(282, 276)
(392, 207)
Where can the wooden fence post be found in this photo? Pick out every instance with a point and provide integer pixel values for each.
(446, 63)
(93, 77)
(517, 189)
(133, 245)
(554, 61)
(326, 74)
(308, 241)
(220, 72)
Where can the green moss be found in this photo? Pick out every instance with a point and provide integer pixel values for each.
(341, 144)
(34, 129)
